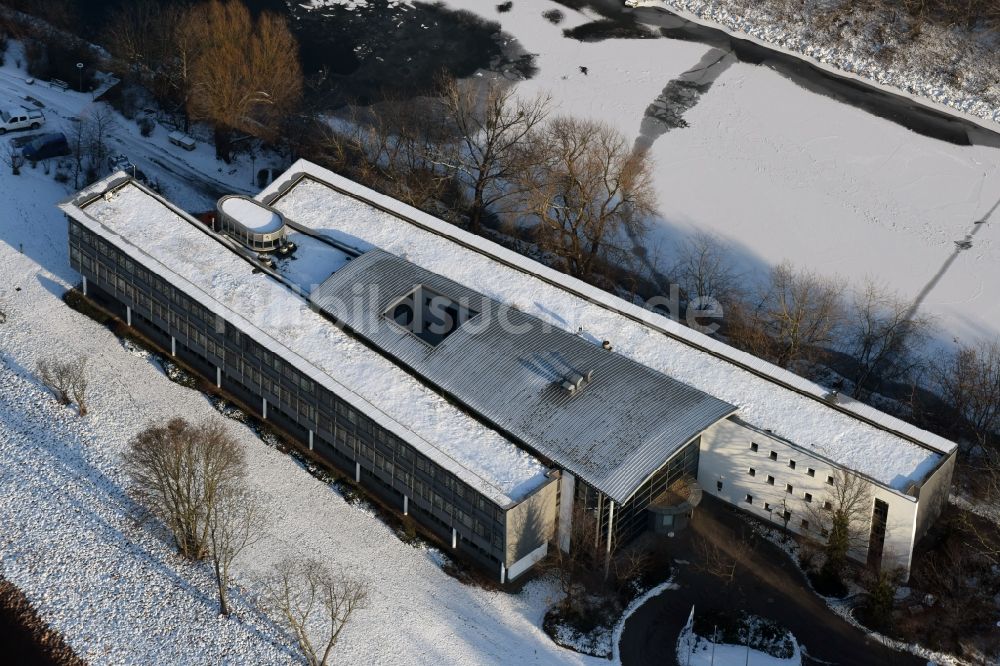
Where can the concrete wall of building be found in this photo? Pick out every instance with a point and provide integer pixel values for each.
(567, 494)
(933, 495)
(727, 456)
(531, 524)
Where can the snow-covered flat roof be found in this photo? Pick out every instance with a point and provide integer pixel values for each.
(852, 434)
(178, 248)
(312, 262)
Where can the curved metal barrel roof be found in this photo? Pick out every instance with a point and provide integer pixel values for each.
(509, 369)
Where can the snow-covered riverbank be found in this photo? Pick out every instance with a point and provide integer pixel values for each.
(954, 69)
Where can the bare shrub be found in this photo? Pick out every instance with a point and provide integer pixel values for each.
(67, 379)
(793, 317)
(315, 604)
(12, 157)
(181, 472)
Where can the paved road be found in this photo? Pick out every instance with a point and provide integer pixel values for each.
(768, 585)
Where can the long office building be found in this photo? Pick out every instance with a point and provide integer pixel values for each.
(475, 390)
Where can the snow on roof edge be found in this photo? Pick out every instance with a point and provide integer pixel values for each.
(663, 325)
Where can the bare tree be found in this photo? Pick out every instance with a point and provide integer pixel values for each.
(391, 146)
(491, 126)
(571, 565)
(101, 123)
(845, 514)
(969, 380)
(246, 76)
(315, 604)
(180, 471)
(588, 191)
(704, 270)
(78, 384)
(67, 379)
(12, 157)
(78, 139)
(55, 376)
(721, 555)
(883, 337)
(139, 35)
(794, 317)
(235, 522)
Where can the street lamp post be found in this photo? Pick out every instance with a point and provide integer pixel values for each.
(79, 68)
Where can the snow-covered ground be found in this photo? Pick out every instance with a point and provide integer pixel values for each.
(68, 537)
(782, 172)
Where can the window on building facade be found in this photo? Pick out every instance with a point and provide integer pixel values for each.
(767, 507)
(828, 505)
(791, 464)
(788, 488)
(770, 480)
(808, 497)
(752, 472)
(829, 480)
(786, 515)
(718, 486)
(805, 524)
(774, 455)
(753, 446)
(811, 472)
(748, 499)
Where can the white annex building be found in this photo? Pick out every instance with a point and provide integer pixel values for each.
(477, 390)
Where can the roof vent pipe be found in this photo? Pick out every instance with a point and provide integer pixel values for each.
(606, 344)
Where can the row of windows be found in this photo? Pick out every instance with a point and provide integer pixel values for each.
(789, 488)
(773, 455)
(392, 474)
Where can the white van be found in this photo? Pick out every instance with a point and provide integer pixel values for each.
(181, 139)
(16, 119)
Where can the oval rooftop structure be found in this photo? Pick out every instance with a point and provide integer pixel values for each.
(252, 223)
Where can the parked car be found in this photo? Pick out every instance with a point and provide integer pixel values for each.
(20, 118)
(45, 146)
(183, 140)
